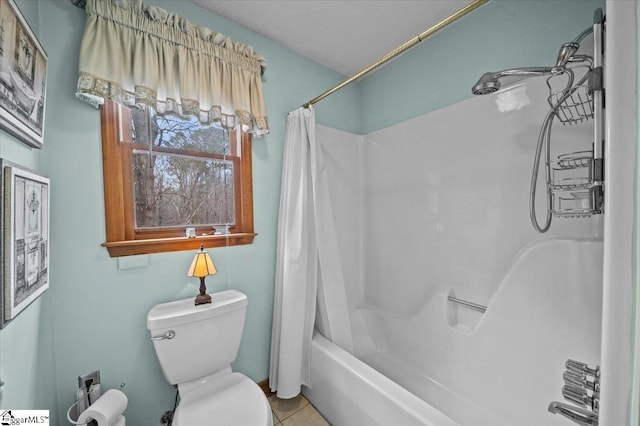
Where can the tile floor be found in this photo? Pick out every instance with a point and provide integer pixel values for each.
(295, 412)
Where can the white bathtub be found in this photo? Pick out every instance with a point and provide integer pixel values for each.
(349, 392)
(437, 367)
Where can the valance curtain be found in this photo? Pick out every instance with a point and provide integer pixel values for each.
(136, 54)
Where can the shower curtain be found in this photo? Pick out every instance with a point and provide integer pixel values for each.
(307, 260)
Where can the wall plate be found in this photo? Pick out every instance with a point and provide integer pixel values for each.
(86, 380)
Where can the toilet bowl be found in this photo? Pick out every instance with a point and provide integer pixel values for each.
(195, 346)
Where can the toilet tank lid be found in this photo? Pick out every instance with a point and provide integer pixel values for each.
(185, 311)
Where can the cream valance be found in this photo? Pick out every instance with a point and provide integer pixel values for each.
(136, 54)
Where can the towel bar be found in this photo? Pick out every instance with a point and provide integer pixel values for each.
(468, 304)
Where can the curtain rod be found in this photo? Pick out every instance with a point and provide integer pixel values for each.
(400, 49)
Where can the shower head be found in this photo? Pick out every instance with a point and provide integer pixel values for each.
(489, 82)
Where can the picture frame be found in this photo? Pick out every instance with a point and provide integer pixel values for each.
(25, 238)
(23, 77)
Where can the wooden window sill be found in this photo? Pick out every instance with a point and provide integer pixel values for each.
(159, 245)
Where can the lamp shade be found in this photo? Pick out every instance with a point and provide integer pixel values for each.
(202, 265)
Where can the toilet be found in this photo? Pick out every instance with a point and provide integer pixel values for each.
(195, 345)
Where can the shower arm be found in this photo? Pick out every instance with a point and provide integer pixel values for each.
(524, 71)
(490, 81)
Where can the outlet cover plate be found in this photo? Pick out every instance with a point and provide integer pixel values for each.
(86, 380)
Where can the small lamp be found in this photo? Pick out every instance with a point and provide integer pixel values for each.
(202, 266)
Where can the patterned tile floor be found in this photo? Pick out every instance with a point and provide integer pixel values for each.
(295, 412)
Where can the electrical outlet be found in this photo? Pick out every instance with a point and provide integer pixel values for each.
(86, 380)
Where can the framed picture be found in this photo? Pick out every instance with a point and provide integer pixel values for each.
(25, 238)
(23, 76)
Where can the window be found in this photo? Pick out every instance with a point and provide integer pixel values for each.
(164, 173)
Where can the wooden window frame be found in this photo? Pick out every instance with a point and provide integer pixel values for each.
(122, 237)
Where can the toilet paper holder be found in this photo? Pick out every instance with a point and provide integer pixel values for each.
(74, 422)
(92, 407)
(89, 390)
(106, 409)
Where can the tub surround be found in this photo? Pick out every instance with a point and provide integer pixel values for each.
(449, 216)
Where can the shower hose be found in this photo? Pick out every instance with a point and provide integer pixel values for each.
(544, 142)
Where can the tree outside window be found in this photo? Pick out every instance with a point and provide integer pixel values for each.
(175, 172)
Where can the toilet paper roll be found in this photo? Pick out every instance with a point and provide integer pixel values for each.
(107, 410)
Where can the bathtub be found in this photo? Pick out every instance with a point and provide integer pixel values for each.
(441, 365)
(349, 392)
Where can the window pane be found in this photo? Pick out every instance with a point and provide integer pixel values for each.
(177, 190)
(171, 131)
(156, 181)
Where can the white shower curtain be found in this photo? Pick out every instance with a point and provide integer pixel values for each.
(296, 260)
(307, 251)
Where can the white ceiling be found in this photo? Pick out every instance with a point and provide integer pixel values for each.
(345, 35)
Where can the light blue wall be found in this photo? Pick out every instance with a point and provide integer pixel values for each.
(27, 362)
(93, 316)
(441, 70)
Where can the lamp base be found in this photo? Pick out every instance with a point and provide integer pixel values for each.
(201, 299)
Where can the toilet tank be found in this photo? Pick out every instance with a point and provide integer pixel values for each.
(195, 341)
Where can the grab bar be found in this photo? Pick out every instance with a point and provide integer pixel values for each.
(468, 304)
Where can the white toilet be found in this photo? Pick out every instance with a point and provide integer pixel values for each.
(195, 346)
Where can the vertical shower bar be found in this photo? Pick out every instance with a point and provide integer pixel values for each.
(598, 111)
(619, 363)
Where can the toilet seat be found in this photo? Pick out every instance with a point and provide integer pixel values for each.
(230, 400)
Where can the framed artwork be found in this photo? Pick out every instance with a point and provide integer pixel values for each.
(23, 76)
(25, 238)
